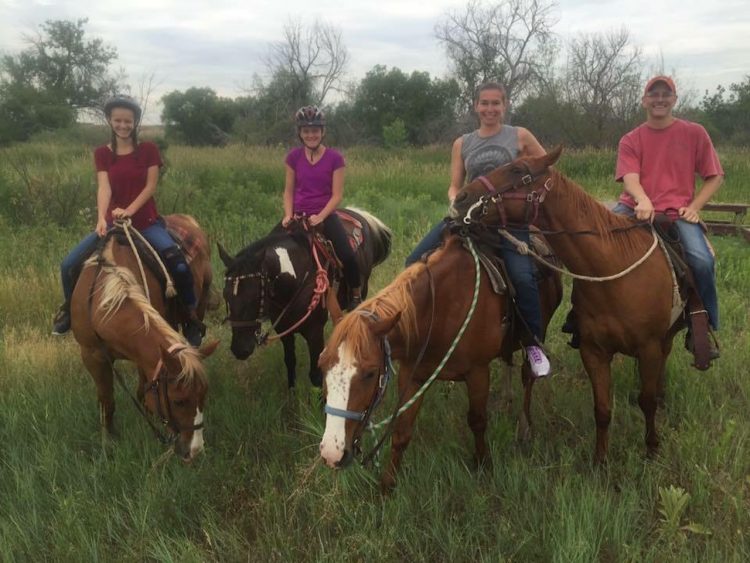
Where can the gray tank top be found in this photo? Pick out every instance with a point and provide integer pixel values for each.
(482, 155)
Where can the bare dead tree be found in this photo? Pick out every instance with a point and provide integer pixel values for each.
(509, 41)
(604, 80)
(311, 59)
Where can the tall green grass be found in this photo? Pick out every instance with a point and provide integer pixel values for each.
(259, 494)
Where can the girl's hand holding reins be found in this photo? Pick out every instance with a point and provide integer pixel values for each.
(315, 220)
(286, 220)
(120, 213)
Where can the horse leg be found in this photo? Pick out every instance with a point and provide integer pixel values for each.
(506, 388)
(478, 388)
(315, 344)
(523, 433)
(290, 360)
(597, 364)
(402, 432)
(651, 366)
(100, 368)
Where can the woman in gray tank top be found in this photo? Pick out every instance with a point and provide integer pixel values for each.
(495, 144)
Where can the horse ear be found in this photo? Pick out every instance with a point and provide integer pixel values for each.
(207, 349)
(171, 361)
(384, 326)
(553, 155)
(224, 255)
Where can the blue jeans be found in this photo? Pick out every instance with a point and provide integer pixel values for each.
(156, 235)
(700, 260)
(521, 270)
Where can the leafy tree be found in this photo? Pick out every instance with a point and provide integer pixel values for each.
(425, 106)
(198, 117)
(59, 74)
(729, 114)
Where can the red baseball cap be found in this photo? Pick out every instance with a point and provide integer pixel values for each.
(660, 78)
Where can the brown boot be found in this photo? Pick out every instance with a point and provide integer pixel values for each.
(355, 300)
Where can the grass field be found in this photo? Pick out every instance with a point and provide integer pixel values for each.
(259, 494)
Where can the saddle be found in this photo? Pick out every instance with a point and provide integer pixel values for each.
(356, 230)
(691, 308)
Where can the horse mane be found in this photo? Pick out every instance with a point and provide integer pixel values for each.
(120, 285)
(616, 230)
(392, 299)
(250, 254)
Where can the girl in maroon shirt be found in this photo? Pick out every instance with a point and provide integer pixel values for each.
(127, 173)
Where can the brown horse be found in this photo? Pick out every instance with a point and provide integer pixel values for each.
(112, 319)
(406, 319)
(632, 314)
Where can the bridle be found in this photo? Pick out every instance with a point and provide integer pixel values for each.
(509, 191)
(384, 377)
(158, 386)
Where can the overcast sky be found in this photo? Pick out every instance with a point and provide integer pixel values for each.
(222, 44)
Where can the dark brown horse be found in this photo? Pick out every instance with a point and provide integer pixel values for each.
(277, 278)
(633, 314)
(112, 319)
(406, 319)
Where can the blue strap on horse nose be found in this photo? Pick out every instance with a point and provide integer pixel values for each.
(350, 415)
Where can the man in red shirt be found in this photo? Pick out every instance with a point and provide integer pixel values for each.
(657, 163)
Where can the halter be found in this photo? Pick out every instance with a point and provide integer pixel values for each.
(384, 377)
(496, 196)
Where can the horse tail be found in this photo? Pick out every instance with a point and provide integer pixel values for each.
(381, 235)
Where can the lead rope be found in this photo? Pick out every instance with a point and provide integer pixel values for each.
(125, 224)
(448, 354)
(524, 248)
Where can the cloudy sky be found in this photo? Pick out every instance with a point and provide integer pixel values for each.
(222, 44)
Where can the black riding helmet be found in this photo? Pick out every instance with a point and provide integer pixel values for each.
(310, 116)
(123, 101)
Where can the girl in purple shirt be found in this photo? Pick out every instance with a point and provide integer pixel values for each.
(314, 187)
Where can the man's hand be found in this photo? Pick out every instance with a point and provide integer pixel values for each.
(689, 214)
(644, 209)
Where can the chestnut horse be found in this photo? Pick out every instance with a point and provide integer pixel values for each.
(631, 313)
(112, 318)
(418, 327)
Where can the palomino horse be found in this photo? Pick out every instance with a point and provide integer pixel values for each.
(631, 313)
(278, 278)
(418, 317)
(112, 318)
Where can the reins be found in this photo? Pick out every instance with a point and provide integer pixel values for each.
(125, 224)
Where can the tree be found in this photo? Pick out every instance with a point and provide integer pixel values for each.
(46, 85)
(60, 61)
(426, 107)
(198, 117)
(603, 80)
(730, 115)
(312, 60)
(509, 42)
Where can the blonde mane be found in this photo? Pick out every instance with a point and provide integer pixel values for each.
(119, 285)
(394, 298)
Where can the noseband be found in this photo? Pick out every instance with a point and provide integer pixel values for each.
(509, 191)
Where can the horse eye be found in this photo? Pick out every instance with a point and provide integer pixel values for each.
(180, 403)
(369, 374)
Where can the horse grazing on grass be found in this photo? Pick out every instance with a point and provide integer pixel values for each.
(112, 318)
(416, 319)
(278, 278)
(632, 314)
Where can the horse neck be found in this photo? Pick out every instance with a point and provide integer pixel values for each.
(569, 209)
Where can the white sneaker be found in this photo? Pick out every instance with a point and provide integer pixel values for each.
(538, 361)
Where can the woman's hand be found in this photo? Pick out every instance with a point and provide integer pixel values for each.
(316, 219)
(101, 227)
(286, 220)
(120, 213)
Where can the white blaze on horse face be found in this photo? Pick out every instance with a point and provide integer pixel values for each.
(285, 262)
(338, 382)
(196, 444)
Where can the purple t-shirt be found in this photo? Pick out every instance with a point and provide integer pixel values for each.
(313, 183)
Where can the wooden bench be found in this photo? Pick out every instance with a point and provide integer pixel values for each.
(734, 226)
